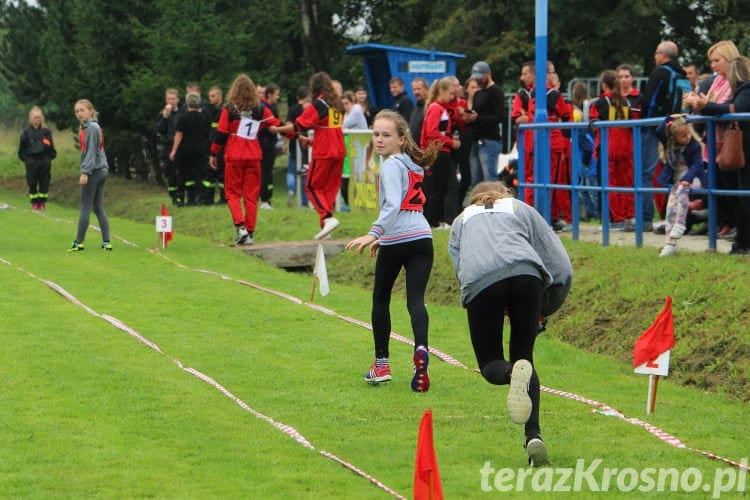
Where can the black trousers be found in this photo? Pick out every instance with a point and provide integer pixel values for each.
(38, 175)
(441, 187)
(266, 175)
(416, 258)
(521, 297)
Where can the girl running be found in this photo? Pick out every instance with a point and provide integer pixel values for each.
(404, 238)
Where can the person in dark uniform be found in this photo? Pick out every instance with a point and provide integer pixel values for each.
(37, 150)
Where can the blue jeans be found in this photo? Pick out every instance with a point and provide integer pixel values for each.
(590, 198)
(649, 157)
(291, 177)
(483, 160)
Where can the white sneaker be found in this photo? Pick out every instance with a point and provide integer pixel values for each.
(243, 236)
(329, 225)
(290, 198)
(519, 402)
(537, 452)
(668, 250)
(266, 206)
(677, 231)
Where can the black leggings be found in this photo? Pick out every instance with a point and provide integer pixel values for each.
(521, 296)
(416, 258)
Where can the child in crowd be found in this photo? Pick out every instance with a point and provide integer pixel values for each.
(404, 238)
(237, 134)
(509, 261)
(94, 171)
(37, 150)
(682, 166)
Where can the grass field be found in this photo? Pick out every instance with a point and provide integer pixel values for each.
(87, 410)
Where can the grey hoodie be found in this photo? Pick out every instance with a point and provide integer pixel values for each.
(509, 238)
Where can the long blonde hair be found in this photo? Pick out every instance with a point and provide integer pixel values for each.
(488, 192)
(243, 96)
(424, 158)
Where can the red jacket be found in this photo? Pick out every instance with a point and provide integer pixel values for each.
(241, 142)
(557, 110)
(619, 140)
(437, 126)
(326, 121)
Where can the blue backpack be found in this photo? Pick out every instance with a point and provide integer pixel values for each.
(679, 86)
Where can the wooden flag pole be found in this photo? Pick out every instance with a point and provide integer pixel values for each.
(653, 385)
(312, 292)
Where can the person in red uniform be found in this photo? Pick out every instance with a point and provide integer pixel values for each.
(442, 185)
(612, 104)
(522, 111)
(237, 134)
(325, 118)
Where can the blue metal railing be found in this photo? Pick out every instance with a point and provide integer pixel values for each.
(542, 186)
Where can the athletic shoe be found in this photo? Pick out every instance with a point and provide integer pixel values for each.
(723, 231)
(242, 236)
(377, 375)
(668, 251)
(558, 225)
(729, 235)
(662, 229)
(329, 224)
(106, 245)
(420, 382)
(519, 402)
(290, 198)
(42, 206)
(76, 247)
(537, 451)
(266, 206)
(35, 207)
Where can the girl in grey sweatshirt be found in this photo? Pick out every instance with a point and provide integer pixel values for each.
(403, 238)
(509, 262)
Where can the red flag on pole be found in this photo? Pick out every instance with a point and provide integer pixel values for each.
(167, 236)
(657, 339)
(426, 474)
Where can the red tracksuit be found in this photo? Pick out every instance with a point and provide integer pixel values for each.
(557, 110)
(619, 154)
(328, 152)
(237, 133)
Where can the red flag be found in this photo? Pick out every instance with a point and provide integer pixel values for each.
(167, 236)
(657, 339)
(426, 474)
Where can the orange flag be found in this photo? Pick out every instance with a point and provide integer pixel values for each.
(167, 236)
(657, 339)
(426, 474)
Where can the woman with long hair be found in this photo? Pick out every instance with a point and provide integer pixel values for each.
(237, 134)
(325, 117)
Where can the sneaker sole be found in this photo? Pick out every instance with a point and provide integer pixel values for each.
(537, 451)
(420, 382)
(378, 380)
(519, 402)
(326, 231)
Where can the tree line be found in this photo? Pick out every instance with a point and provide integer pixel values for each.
(122, 55)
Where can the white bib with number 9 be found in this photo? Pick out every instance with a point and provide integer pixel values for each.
(248, 128)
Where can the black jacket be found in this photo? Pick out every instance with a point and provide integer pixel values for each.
(36, 144)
